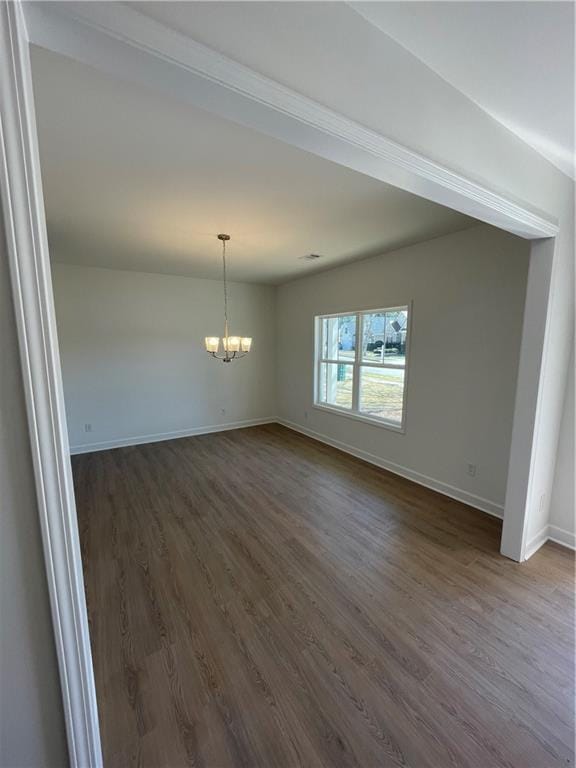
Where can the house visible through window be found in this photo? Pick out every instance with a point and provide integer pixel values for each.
(361, 364)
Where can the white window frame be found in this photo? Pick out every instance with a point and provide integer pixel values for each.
(357, 364)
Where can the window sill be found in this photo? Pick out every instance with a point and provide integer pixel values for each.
(399, 428)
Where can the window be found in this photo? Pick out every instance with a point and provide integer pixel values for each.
(361, 364)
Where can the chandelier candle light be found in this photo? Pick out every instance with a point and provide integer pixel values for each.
(233, 346)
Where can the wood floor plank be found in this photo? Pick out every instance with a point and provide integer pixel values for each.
(257, 598)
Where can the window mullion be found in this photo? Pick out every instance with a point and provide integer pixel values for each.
(356, 370)
(319, 352)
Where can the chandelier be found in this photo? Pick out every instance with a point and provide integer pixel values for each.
(232, 346)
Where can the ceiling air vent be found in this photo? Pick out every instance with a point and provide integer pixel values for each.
(310, 257)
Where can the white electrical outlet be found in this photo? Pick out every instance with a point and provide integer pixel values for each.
(472, 470)
(305, 414)
(87, 427)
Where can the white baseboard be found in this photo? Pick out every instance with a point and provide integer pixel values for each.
(485, 505)
(536, 542)
(160, 436)
(562, 536)
(550, 533)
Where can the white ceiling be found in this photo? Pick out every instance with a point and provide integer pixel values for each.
(136, 180)
(514, 59)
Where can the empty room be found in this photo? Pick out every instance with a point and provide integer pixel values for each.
(288, 435)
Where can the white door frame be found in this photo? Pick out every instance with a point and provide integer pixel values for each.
(117, 39)
(23, 209)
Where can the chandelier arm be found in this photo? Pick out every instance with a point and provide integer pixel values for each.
(227, 357)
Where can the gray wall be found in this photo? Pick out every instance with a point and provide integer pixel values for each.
(133, 359)
(562, 517)
(31, 720)
(468, 291)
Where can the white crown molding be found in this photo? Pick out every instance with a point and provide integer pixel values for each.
(91, 32)
(23, 210)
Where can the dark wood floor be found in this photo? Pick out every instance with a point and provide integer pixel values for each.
(259, 599)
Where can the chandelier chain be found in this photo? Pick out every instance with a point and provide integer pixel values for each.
(225, 289)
